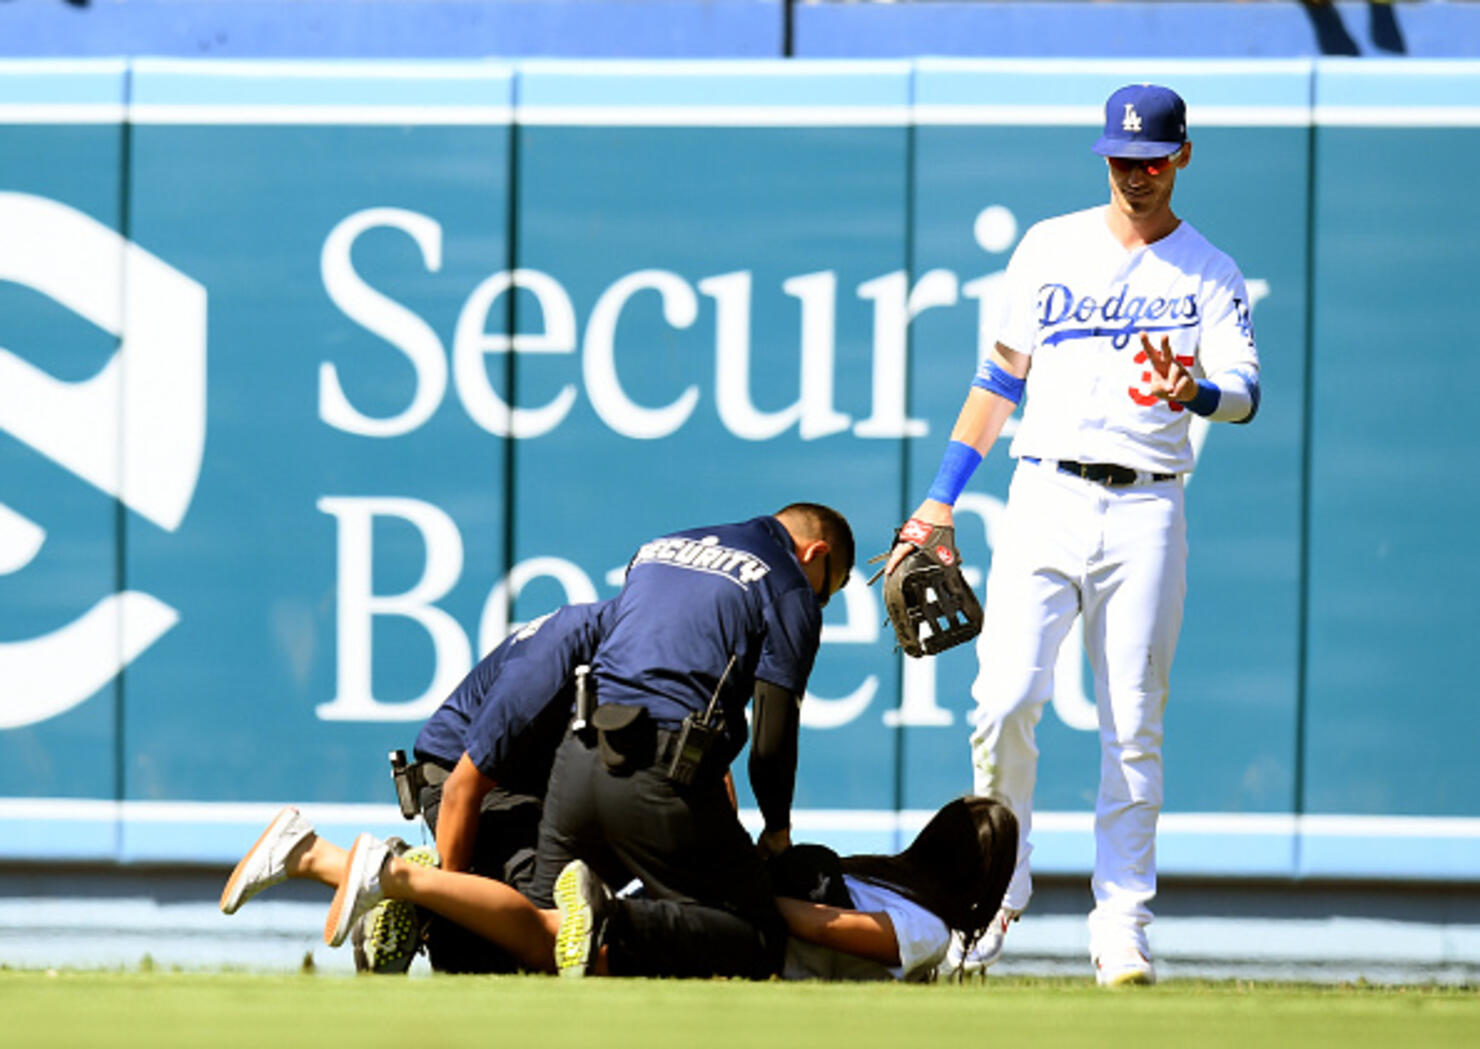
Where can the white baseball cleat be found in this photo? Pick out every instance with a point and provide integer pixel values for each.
(359, 887)
(580, 896)
(1124, 967)
(986, 951)
(266, 863)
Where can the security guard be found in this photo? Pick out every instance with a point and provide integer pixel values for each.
(482, 766)
(707, 618)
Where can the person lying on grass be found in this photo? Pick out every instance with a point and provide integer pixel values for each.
(855, 917)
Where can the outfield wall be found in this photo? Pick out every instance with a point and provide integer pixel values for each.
(316, 378)
(738, 28)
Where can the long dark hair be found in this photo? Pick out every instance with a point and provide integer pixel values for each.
(957, 867)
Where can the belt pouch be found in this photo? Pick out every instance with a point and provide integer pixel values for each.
(625, 735)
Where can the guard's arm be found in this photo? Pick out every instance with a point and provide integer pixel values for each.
(773, 758)
(457, 816)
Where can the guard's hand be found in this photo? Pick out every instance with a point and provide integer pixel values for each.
(1169, 379)
(931, 512)
(773, 842)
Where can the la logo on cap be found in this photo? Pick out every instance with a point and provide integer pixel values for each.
(1143, 120)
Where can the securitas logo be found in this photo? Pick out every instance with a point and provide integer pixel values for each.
(135, 430)
(1119, 315)
(704, 555)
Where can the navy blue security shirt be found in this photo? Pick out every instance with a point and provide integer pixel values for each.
(690, 601)
(511, 711)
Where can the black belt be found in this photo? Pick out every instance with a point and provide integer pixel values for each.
(1108, 474)
(665, 743)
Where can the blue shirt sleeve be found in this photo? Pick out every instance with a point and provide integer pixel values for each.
(443, 737)
(535, 676)
(793, 630)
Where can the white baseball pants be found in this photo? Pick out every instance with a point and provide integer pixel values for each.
(1118, 557)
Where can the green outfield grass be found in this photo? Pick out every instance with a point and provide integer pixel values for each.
(219, 1010)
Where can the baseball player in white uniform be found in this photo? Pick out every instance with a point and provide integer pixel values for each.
(1120, 323)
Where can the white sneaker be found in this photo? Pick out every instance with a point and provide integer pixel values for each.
(580, 896)
(266, 863)
(1124, 967)
(359, 887)
(961, 964)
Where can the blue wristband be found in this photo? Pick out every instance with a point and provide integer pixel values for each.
(956, 468)
(1206, 401)
(995, 379)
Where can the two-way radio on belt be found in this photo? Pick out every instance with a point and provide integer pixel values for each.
(696, 736)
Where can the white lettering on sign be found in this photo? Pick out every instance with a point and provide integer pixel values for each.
(813, 415)
(358, 605)
(624, 415)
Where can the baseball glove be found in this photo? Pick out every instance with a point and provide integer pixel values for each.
(928, 600)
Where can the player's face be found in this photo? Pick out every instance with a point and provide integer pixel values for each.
(1142, 189)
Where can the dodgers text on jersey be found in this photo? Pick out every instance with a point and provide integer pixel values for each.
(1121, 313)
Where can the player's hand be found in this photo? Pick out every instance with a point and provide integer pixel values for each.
(1169, 379)
(773, 842)
(931, 512)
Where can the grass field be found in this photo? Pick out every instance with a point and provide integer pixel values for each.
(219, 1010)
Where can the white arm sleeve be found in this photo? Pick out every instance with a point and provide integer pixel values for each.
(1238, 395)
(1227, 356)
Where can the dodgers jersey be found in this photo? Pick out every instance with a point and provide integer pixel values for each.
(693, 598)
(1077, 302)
(511, 711)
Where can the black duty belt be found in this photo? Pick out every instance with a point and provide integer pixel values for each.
(665, 743)
(1109, 474)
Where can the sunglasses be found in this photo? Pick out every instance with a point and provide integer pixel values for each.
(1153, 167)
(827, 579)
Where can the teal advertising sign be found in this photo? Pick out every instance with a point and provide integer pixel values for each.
(319, 378)
(62, 266)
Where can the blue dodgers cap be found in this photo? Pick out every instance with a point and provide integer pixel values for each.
(1143, 120)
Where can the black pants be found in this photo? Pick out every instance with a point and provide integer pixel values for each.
(508, 827)
(708, 908)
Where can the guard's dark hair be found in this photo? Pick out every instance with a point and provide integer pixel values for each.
(827, 524)
(957, 867)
